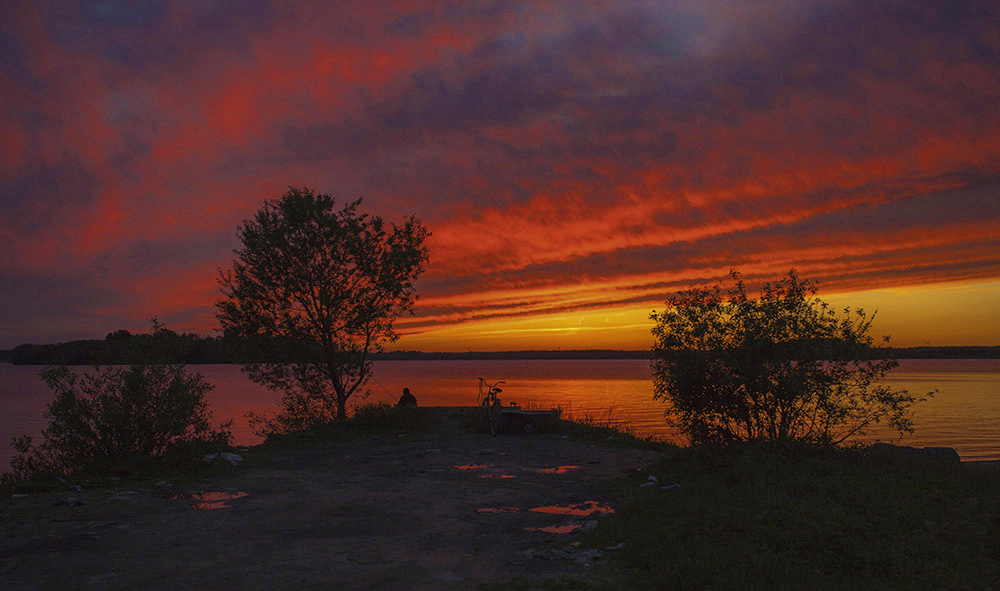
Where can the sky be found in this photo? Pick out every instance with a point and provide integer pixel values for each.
(576, 162)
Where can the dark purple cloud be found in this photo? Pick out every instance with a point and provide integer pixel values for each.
(566, 156)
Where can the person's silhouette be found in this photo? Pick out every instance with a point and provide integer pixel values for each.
(407, 399)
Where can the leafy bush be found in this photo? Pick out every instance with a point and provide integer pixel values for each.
(116, 413)
(781, 367)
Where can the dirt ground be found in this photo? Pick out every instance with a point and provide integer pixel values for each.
(443, 509)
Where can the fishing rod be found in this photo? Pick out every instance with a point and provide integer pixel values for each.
(381, 386)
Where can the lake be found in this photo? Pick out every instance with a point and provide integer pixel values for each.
(965, 414)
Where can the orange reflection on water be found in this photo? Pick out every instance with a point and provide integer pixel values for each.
(211, 500)
(498, 510)
(556, 529)
(470, 467)
(557, 470)
(580, 509)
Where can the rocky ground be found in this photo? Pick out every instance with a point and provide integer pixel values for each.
(442, 508)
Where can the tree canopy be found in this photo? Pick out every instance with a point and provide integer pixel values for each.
(784, 366)
(326, 284)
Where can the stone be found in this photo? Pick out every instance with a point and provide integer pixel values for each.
(231, 457)
(948, 454)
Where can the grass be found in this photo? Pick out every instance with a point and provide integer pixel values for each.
(367, 421)
(605, 428)
(181, 462)
(757, 517)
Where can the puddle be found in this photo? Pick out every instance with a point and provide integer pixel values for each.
(557, 529)
(498, 510)
(482, 467)
(211, 500)
(579, 510)
(557, 470)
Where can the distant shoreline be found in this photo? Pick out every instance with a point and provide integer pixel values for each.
(925, 352)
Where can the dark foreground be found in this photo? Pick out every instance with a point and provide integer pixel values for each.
(414, 500)
(383, 511)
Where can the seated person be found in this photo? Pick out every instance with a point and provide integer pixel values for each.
(407, 399)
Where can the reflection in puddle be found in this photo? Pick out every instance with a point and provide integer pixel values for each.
(498, 510)
(557, 470)
(497, 476)
(471, 467)
(557, 529)
(581, 509)
(211, 500)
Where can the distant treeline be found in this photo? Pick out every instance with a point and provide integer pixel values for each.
(167, 346)
(122, 347)
(959, 352)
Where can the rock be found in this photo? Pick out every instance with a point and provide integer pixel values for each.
(590, 525)
(231, 457)
(210, 457)
(68, 502)
(616, 547)
(18, 496)
(670, 487)
(450, 577)
(948, 454)
(942, 453)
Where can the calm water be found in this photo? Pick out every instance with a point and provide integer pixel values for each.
(965, 414)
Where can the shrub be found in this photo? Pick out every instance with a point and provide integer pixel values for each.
(117, 413)
(781, 367)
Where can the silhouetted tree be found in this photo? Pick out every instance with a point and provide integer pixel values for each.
(326, 285)
(118, 412)
(781, 367)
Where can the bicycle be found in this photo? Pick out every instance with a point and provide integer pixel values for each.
(490, 400)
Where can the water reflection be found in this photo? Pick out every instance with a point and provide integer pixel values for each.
(557, 529)
(579, 509)
(557, 470)
(211, 500)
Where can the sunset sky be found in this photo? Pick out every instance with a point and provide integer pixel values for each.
(577, 162)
